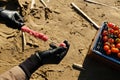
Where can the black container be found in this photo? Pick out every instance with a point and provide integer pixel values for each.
(96, 50)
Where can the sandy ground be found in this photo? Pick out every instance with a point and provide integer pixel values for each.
(59, 23)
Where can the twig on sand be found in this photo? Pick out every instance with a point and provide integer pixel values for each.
(32, 4)
(77, 66)
(87, 17)
(95, 2)
(45, 5)
(48, 0)
(23, 41)
(6, 64)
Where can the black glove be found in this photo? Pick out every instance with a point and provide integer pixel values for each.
(11, 18)
(54, 55)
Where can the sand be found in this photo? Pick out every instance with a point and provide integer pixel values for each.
(60, 22)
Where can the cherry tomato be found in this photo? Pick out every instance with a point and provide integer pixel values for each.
(110, 40)
(111, 31)
(119, 30)
(62, 45)
(107, 43)
(39, 35)
(119, 35)
(108, 52)
(116, 28)
(118, 55)
(115, 50)
(118, 45)
(116, 32)
(110, 25)
(117, 40)
(44, 38)
(105, 38)
(112, 45)
(106, 47)
(104, 33)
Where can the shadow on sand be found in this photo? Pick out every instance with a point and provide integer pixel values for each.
(96, 70)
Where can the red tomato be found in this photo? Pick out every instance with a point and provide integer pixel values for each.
(108, 52)
(119, 35)
(116, 32)
(104, 33)
(110, 25)
(105, 38)
(106, 47)
(62, 45)
(115, 50)
(118, 55)
(112, 45)
(45, 38)
(107, 43)
(118, 45)
(119, 31)
(111, 31)
(110, 40)
(116, 28)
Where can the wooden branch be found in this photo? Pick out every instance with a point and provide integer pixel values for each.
(45, 5)
(87, 17)
(32, 4)
(95, 2)
(77, 66)
(23, 41)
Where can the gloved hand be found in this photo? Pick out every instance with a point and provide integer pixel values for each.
(54, 55)
(11, 18)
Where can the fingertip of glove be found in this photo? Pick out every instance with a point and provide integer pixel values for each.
(67, 43)
(52, 45)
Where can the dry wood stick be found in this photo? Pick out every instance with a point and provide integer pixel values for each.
(77, 66)
(6, 64)
(95, 2)
(23, 41)
(48, 0)
(32, 4)
(42, 1)
(87, 17)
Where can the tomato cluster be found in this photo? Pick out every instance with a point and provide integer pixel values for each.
(111, 39)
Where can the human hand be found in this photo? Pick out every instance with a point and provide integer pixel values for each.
(12, 18)
(54, 55)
